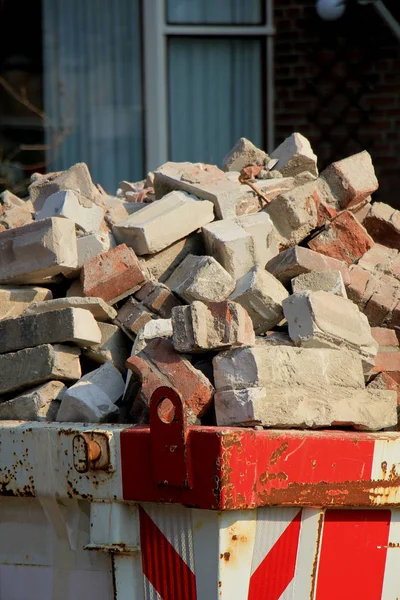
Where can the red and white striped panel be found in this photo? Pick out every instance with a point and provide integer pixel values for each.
(270, 554)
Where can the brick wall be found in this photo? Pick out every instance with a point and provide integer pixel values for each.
(338, 83)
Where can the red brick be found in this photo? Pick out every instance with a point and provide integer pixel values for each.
(385, 336)
(132, 316)
(194, 387)
(357, 286)
(158, 298)
(352, 179)
(381, 304)
(344, 239)
(325, 212)
(112, 275)
(387, 361)
(383, 224)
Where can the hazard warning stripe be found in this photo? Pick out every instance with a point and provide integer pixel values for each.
(162, 565)
(353, 554)
(276, 571)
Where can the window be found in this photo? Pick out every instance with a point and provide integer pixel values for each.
(129, 84)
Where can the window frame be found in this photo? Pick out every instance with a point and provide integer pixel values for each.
(156, 32)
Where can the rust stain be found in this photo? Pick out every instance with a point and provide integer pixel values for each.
(384, 469)
(226, 556)
(275, 456)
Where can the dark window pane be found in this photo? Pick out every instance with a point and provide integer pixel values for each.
(223, 12)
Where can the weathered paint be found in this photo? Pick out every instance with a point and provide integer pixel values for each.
(221, 468)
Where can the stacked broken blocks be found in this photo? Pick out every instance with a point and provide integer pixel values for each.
(264, 293)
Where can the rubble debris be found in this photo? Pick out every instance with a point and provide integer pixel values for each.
(250, 290)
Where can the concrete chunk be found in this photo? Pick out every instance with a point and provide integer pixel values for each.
(70, 205)
(351, 180)
(14, 300)
(244, 154)
(100, 310)
(112, 275)
(162, 223)
(383, 224)
(201, 278)
(38, 404)
(66, 325)
(368, 410)
(297, 260)
(36, 252)
(92, 399)
(200, 327)
(295, 156)
(32, 366)
(261, 294)
(240, 244)
(14, 216)
(320, 319)
(115, 346)
(314, 281)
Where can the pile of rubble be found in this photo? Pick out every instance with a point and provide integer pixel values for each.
(264, 293)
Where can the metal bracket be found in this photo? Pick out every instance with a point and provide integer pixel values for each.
(91, 451)
(168, 434)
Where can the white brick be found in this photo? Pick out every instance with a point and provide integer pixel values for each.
(68, 204)
(271, 366)
(156, 328)
(36, 252)
(240, 244)
(100, 310)
(162, 223)
(93, 244)
(73, 325)
(204, 181)
(92, 399)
